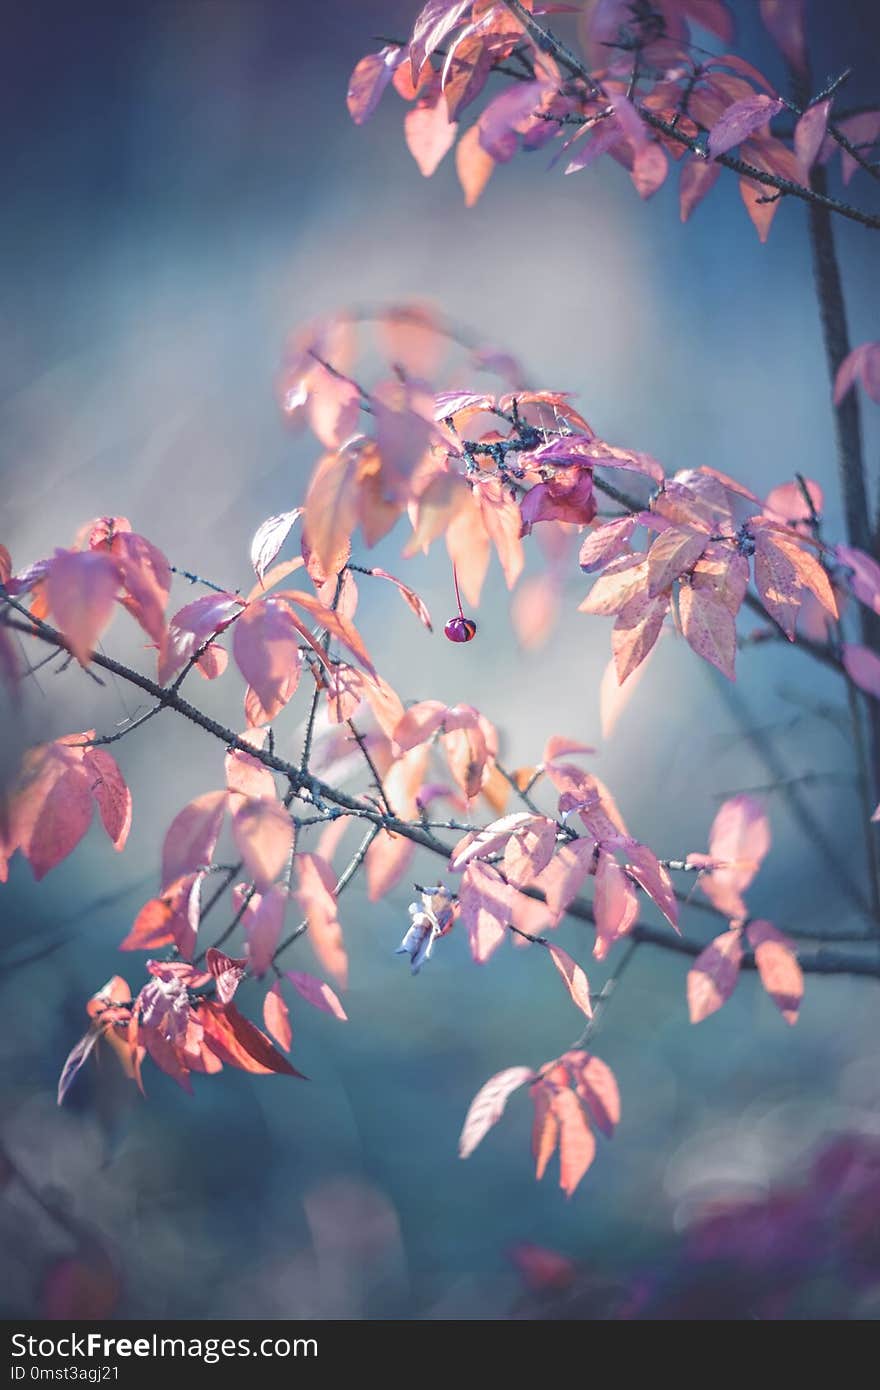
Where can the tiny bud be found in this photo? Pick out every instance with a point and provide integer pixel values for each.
(460, 629)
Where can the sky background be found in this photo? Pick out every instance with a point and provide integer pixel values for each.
(183, 187)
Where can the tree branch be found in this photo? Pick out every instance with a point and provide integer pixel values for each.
(816, 195)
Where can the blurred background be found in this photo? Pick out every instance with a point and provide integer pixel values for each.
(183, 187)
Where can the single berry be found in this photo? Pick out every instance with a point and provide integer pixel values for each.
(461, 629)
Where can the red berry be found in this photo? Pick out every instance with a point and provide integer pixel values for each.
(460, 629)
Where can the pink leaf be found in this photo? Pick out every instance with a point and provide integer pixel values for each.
(263, 833)
(644, 866)
(615, 904)
(698, 177)
(316, 993)
(785, 21)
(673, 553)
(63, 820)
(192, 626)
(577, 1146)
(614, 696)
(146, 578)
(485, 901)
(738, 841)
(709, 628)
(596, 1085)
(636, 629)
(276, 1017)
(192, 836)
(863, 668)
(479, 844)
(266, 648)
(81, 587)
(862, 364)
(409, 596)
(606, 543)
(741, 120)
(778, 968)
(809, 134)
(566, 873)
(713, 976)
(317, 894)
(369, 80)
(487, 1106)
(574, 977)
(269, 538)
(529, 851)
(263, 924)
(429, 131)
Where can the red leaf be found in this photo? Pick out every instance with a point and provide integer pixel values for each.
(543, 1270)
(63, 820)
(713, 976)
(111, 794)
(227, 971)
(239, 1042)
(172, 917)
(487, 1106)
